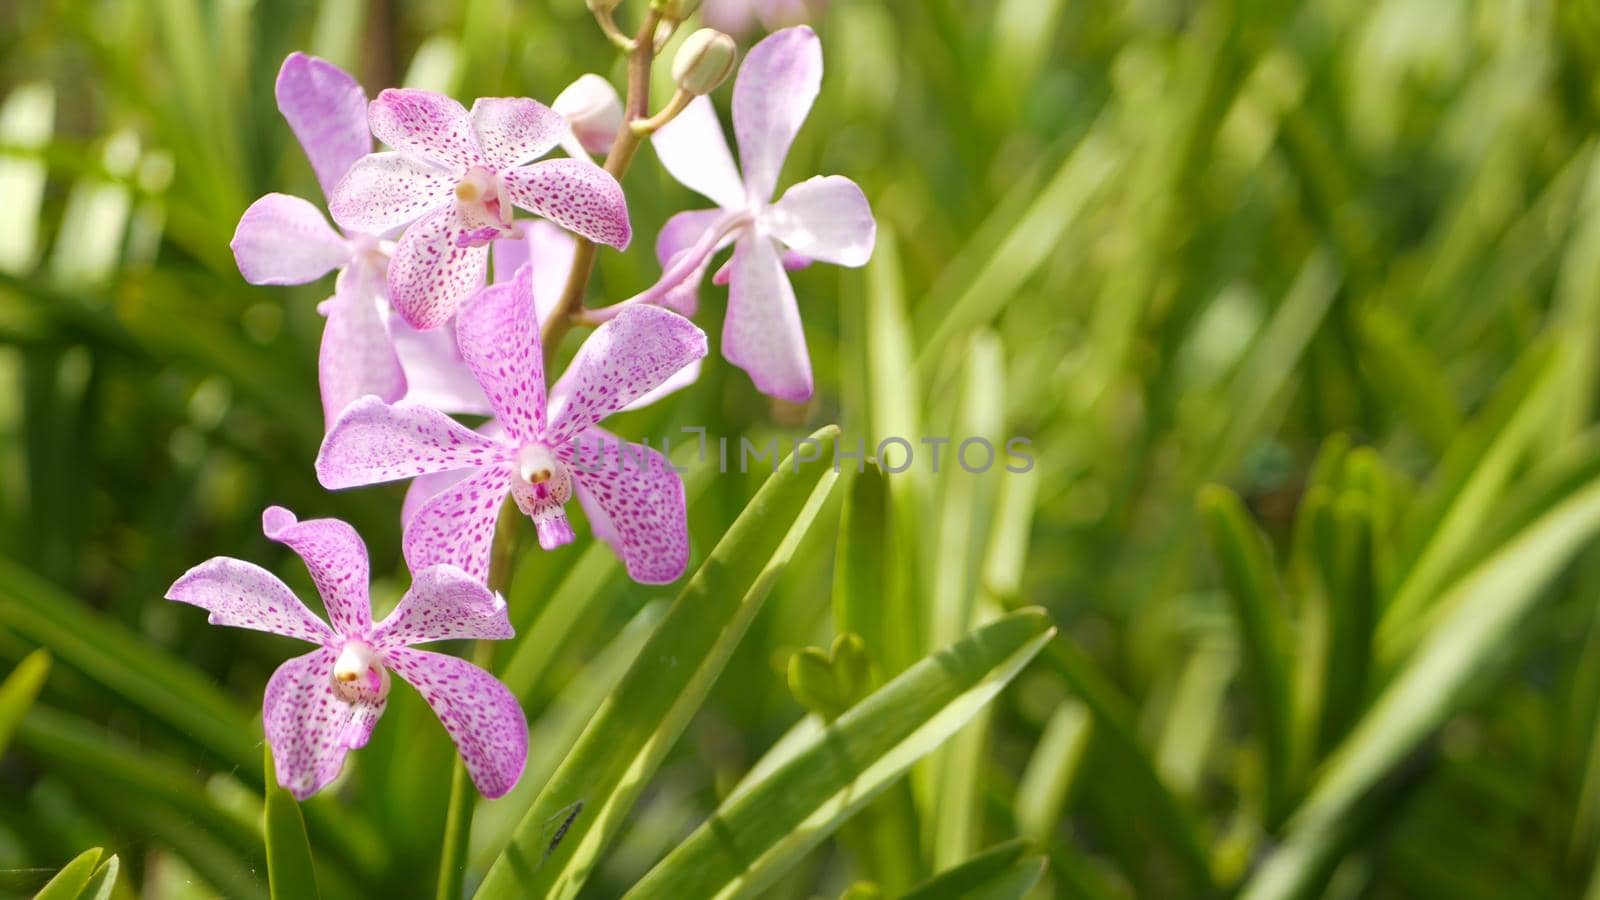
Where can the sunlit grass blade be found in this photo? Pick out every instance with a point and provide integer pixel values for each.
(1482, 614)
(1462, 497)
(1007, 870)
(1258, 610)
(1055, 762)
(73, 877)
(290, 872)
(634, 729)
(18, 692)
(1027, 244)
(751, 840)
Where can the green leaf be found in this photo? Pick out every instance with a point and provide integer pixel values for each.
(18, 692)
(634, 730)
(1463, 497)
(143, 786)
(828, 683)
(754, 838)
(104, 880)
(1055, 761)
(1480, 623)
(290, 873)
(1257, 605)
(73, 877)
(870, 598)
(1007, 870)
(127, 666)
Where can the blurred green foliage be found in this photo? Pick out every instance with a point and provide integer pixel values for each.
(1298, 303)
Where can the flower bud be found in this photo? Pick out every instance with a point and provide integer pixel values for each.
(704, 61)
(593, 109)
(675, 10)
(603, 6)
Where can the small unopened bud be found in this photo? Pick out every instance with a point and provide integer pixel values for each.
(675, 10)
(593, 109)
(704, 61)
(603, 6)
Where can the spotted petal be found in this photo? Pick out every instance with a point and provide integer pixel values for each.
(309, 727)
(357, 356)
(241, 594)
(285, 240)
(499, 339)
(456, 525)
(762, 334)
(327, 111)
(481, 716)
(641, 497)
(337, 560)
(514, 131)
(692, 148)
(623, 360)
(825, 218)
(432, 272)
(444, 604)
(577, 195)
(383, 191)
(427, 126)
(373, 442)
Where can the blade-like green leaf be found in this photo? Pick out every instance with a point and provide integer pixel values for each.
(18, 691)
(73, 877)
(1462, 499)
(111, 769)
(1484, 610)
(104, 880)
(290, 873)
(751, 840)
(1004, 872)
(1242, 551)
(129, 667)
(639, 722)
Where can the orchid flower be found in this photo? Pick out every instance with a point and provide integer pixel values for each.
(824, 218)
(321, 705)
(285, 240)
(738, 16)
(533, 453)
(453, 179)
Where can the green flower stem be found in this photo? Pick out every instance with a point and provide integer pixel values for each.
(637, 108)
(463, 795)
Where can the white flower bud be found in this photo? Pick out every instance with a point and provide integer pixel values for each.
(593, 109)
(704, 61)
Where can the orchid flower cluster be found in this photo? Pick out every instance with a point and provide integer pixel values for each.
(414, 336)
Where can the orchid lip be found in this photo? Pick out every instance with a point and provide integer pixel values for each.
(359, 673)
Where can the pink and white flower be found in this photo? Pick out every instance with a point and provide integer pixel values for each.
(321, 705)
(453, 179)
(632, 494)
(283, 239)
(824, 218)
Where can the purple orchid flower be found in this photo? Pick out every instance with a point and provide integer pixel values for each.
(453, 179)
(824, 218)
(321, 705)
(534, 452)
(285, 240)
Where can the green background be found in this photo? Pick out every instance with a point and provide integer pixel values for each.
(1341, 258)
